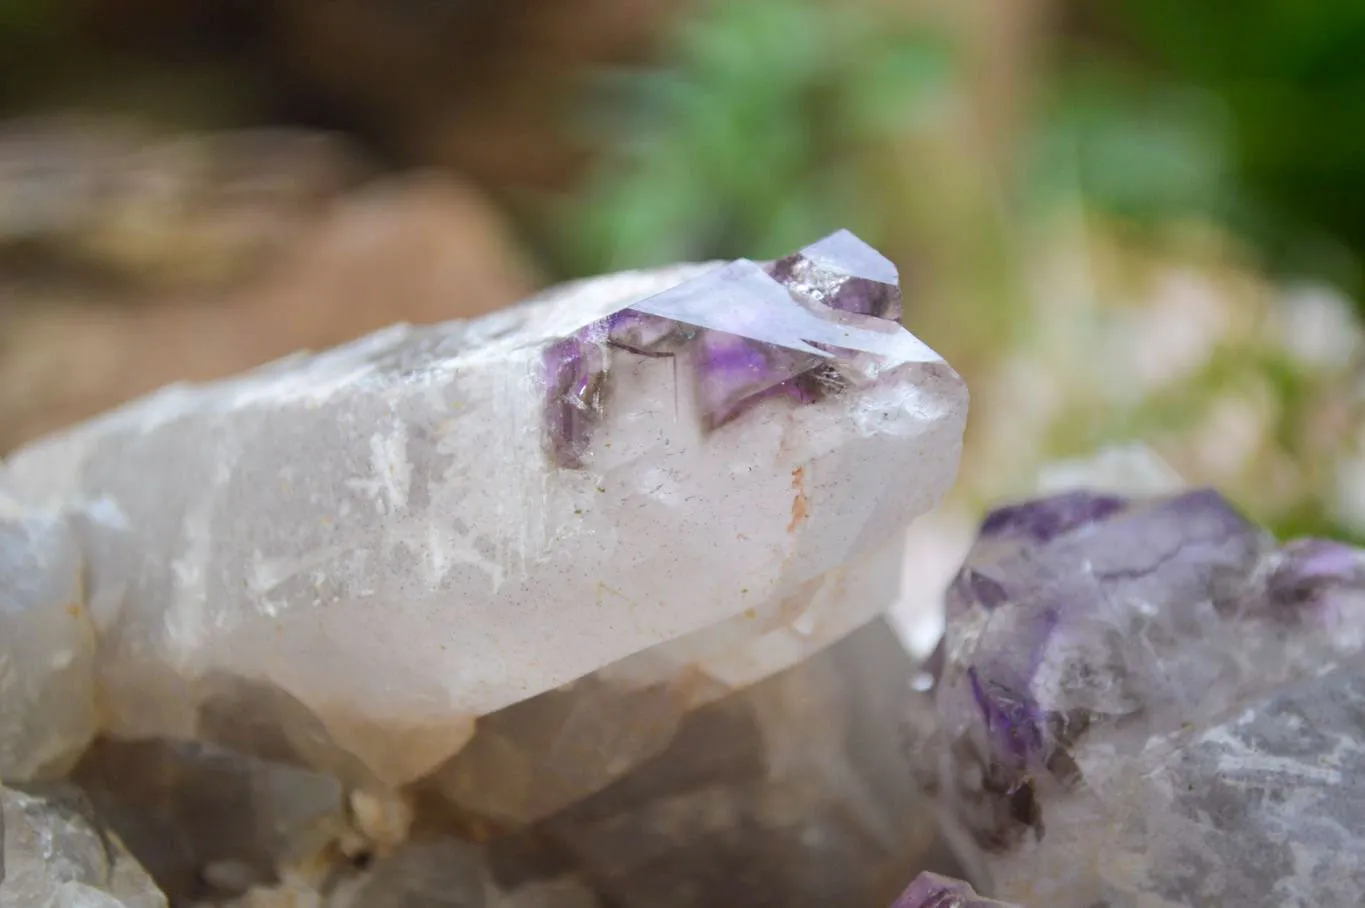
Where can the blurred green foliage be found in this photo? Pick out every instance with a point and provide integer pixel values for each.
(1141, 152)
(1290, 79)
(1252, 113)
(753, 141)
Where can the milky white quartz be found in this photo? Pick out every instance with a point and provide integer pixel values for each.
(357, 553)
(47, 644)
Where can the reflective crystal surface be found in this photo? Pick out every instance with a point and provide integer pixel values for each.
(1147, 702)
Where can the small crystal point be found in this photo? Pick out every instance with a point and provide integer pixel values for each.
(841, 251)
(932, 890)
(844, 273)
(743, 299)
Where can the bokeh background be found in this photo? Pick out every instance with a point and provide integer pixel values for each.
(1134, 220)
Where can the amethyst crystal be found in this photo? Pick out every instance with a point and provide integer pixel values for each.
(811, 322)
(843, 272)
(575, 371)
(931, 890)
(1109, 667)
(1044, 520)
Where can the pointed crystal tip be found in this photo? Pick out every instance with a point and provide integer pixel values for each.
(749, 333)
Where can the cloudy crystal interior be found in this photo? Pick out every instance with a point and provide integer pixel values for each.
(576, 604)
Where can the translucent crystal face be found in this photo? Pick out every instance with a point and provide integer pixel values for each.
(1087, 635)
(797, 328)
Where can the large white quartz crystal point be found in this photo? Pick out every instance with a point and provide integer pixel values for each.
(364, 550)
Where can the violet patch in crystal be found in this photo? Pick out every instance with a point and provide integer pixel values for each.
(1048, 518)
(1322, 583)
(1311, 567)
(814, 321)
(575, 370)
(1013, 720)
(1042, 617)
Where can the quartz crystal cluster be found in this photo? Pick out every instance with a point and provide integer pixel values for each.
(579, 606)
(573, 605)
(1148, 703)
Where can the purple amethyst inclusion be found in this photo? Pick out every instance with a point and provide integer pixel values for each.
(751, 332)
(932, 890)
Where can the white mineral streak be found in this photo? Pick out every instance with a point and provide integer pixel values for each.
(371, 547)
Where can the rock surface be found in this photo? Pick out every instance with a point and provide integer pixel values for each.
(204, 821)
(56, 855)
(401, 509)
(797, 792)
(1147, 702)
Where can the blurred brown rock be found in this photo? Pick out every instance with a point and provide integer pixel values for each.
(419, 249)
(487, 89)
(105, 200)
